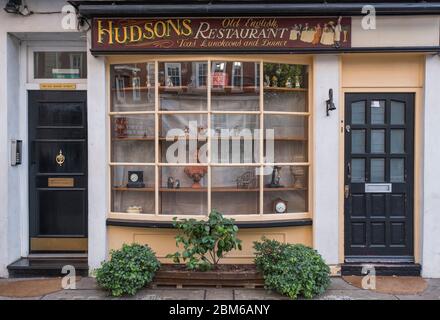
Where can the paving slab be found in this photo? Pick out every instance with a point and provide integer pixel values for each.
(171, 294)
(77, 295)
(340, 284)
(219, 294)
(433, 282)
(431, 293)
(257, 294)
(356, 294)
(87, 283)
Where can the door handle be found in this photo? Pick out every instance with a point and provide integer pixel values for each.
(346, 191)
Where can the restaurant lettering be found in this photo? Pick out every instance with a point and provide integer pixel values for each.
(220, 33)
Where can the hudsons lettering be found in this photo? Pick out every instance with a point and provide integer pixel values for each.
(150, 30)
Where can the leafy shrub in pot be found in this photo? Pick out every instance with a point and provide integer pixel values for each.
(205, 242)
(130, 268)
(293, 270)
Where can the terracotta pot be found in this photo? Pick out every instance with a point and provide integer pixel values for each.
(196, 174)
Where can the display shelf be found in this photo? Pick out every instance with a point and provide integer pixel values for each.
(183, 189)
(283, 89)
(134, 139)
(148, 189)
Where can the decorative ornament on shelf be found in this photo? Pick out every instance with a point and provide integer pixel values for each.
(170, 183)
(134, 209)
(135, 179)
(196, 173)
(279, 206)
(121, 125)
(276, 177)
(246, 180)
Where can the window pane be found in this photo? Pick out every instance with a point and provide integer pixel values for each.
(358, 141)
(236, 138)
(285, 87)
(183, 190)
(357, 170)
(287, 184)
(290, 138)
(235, 86)
(358, 112)
(132, 87)
(397, 141)
(133, 189)
(183, 85)
(60, 65)
(377, 170)
(377, 112)
(377, 141)
(133, 138)
(235, 190)
(397, 169)
(397, 113)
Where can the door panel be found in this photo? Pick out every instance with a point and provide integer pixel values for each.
(379, 152)
(58, 170)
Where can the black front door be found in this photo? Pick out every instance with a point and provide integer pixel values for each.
(58, 171)
(379, 176)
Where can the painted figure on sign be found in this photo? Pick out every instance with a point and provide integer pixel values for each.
(338, 31)
(317, 35)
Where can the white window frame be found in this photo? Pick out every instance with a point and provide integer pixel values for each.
(33, 83)
(198, 64)
(169, 65)
(233, 86)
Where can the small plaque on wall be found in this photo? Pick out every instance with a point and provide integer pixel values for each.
(57, 86)
(60, 182)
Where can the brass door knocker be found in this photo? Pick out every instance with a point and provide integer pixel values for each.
(60, 158)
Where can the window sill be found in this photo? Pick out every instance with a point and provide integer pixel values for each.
(240, 224)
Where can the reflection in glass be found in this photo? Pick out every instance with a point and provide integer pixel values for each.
(235, 86)
(357, 170)
(358, 141)
(377, 170)
(397, 113)
(377, 141)
(397, 169)
(358, 112)
(398, 141)
(183, 85)
(132, 87)
(377, 112)
(60, 65)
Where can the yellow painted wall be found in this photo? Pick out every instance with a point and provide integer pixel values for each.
(162, 240)
(385, 73)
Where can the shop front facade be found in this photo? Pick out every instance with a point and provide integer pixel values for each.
(306, 128)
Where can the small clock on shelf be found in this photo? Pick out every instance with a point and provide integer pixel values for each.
(279, 206)
(135, 179)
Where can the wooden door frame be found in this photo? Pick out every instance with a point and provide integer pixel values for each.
(417, 161)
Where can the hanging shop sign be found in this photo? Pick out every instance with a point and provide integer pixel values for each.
(220, 34)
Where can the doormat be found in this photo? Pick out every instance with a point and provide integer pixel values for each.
(392, 284)
(29, 288)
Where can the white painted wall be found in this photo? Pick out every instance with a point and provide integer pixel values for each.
(431, 186)
(13, 119)
(397, 31)
(326, 75)
(98, 151)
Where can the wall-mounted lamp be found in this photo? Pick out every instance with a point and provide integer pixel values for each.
(329, 103)
(13, 6)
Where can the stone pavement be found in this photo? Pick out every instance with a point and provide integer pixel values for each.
(87, 289)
